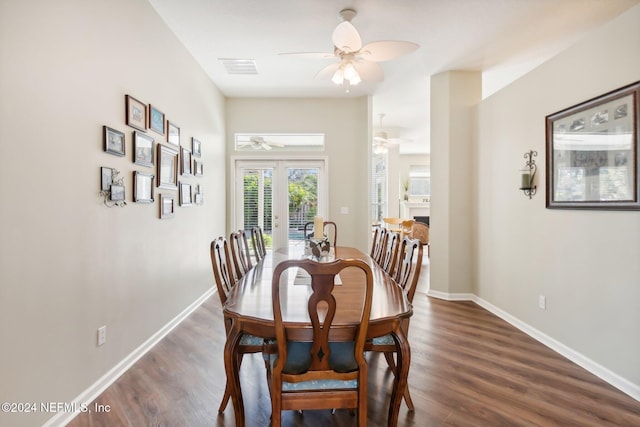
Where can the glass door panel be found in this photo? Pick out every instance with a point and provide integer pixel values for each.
(280, 197)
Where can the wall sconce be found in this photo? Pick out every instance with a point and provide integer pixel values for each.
(528, 173)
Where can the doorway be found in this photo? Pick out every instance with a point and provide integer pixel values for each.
(279, 196)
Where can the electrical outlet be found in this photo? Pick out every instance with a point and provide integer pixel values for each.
(102, 335)
(542, 302)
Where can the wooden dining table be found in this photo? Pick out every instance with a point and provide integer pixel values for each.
(249, 307)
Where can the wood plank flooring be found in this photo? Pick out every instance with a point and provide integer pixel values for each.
(468, 368)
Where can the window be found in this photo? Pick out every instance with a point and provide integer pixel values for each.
(419, 181)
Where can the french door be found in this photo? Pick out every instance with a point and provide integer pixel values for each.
(280, 196)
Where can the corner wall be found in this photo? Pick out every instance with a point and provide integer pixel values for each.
(68, 264)
(584, 262)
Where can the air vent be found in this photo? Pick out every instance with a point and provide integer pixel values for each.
(239, 66)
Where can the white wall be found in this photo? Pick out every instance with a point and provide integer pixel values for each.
(345, 123)
(68, 264)
(584, 262)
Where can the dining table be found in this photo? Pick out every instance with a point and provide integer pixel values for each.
(249, 307)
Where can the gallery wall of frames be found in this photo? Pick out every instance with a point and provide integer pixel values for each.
(158, 146)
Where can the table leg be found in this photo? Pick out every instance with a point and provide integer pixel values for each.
(403, 355)
(232, 368)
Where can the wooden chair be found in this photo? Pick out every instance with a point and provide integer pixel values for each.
(321, 374)
(406, 275)
(223, 275)
(257, 241)
(240, 253)
(388, 260)
(406, 227)
(420, 231)
(393, 224)
(329, 228)
(378, 244)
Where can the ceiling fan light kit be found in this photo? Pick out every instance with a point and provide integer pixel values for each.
(357, 63)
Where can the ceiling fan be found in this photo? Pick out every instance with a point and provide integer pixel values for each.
(259, 143)
(356, 62)
(381, 140)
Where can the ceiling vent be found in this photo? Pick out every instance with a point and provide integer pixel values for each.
(239, 66)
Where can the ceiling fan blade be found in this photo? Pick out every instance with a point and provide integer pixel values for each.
(369, 71)
(265, 146)
(327, 72)
(309, 55)
(385, 50)
(346, 38)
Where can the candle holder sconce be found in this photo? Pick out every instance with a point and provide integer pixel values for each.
(112, 190)
(528, 173)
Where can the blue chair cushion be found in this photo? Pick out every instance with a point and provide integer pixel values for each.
(340, 359)
(247, 339)
(384, 340)
(319, 385)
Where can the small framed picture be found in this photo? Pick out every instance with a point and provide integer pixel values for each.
(156, 120)
(142, 149)
(198, 197)
(173, 133)
(113, 141)
(185, 194)
(167, 206)
(136, 113)
(106, 178)
(197, 167)
(167, 167)
(117, 193)
(196, 147)
(185, 162)
(142, 187)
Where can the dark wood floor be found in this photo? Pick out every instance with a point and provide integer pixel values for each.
(468, 368)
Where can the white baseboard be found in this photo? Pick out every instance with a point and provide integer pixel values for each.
(596, 369)
(90, 394)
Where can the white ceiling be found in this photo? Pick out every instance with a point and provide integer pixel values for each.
(503, 38)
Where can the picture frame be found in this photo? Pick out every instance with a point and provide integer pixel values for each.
(136, 115)
(197, 168)
(142, 149)
(167, 160)
(196, 147)
(156, 120)
(173, 133)
(186, 198)
(198, 197)
(117, 193)
(114, 141)
(142, 187)
(185, 161)
(106, 178)
(167, 206)
(592, 153)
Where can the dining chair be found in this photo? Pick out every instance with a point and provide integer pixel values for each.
(388, 260)
(329, 228)
(393, 224)
(407, 273)
(240, 253)
(406, 227)
(223, 275)
(257, 241)
(321, 373)
(378, 244)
